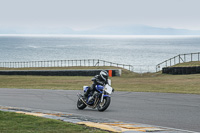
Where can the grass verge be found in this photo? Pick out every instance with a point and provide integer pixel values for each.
(149, 82)
(20, 123)
(188, 64)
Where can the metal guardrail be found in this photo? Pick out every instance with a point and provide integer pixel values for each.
(181, 58)
(63, 63)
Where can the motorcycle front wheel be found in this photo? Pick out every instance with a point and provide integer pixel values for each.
(80, 104)
(104, 104)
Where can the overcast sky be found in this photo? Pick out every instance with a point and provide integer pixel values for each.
(86, 14)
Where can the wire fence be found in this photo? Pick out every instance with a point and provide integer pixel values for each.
(72, 63)
(63, 63)
(181, 58)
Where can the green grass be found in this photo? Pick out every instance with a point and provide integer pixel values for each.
(129, 81)
(188, 64)
(19, 123)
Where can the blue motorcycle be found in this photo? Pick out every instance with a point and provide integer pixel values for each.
(100, 99)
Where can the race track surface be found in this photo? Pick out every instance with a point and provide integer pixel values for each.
(180, 111)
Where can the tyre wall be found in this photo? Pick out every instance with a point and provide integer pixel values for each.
(181, 70)
(113, 72)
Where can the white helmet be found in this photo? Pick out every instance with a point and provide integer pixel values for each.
(104, 75)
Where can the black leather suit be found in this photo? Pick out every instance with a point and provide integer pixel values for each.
(97, 80)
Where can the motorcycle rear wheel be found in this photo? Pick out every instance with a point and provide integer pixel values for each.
(80, 104)
(104, 105)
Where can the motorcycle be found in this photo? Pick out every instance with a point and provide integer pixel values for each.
(100, 99)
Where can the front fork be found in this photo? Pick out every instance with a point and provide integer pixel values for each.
(102, 96)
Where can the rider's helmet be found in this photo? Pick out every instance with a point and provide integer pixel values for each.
(104, 75)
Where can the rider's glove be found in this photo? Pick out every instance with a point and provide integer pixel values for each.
(113, 90)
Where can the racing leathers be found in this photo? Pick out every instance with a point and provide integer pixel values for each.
(97, 80)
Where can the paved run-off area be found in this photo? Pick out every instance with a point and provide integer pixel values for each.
(126, 111)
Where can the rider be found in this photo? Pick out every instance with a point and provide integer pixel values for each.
(101, 79)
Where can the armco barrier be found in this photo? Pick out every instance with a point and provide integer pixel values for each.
(181, 70)
(113, 72)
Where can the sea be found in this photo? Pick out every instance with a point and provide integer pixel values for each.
(146, 51)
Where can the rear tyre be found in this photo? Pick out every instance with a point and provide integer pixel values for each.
(80, 104)
(104, 105)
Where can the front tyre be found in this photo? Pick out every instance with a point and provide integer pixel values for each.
(80, 104)
(104, 104)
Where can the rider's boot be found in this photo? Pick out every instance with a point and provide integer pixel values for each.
(86, 94)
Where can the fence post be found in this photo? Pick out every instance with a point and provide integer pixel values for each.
(156, 68)
(174, 60)
(191, 56)
(184, 58)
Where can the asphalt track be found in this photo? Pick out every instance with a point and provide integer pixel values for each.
(180, 111)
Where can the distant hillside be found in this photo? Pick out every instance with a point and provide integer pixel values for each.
(108, 30)
(140, 30)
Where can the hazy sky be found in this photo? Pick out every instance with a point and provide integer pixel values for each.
(86, 14)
